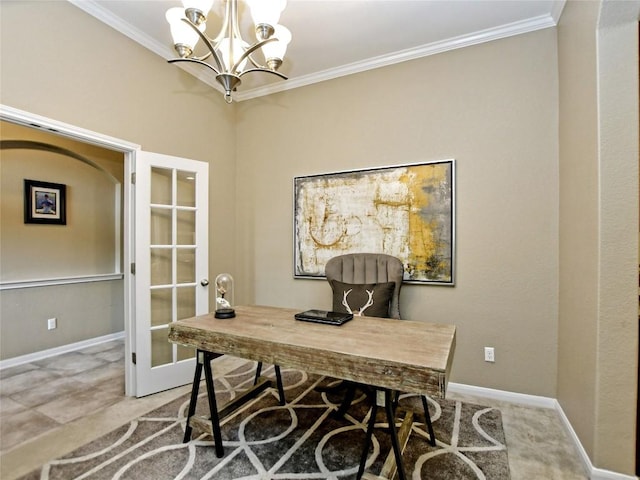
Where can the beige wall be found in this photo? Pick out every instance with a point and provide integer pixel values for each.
(598, 326)
(618, 195)
(60, 63)
(83, 311)
(578, 217)
(89, 242)
(474, 105)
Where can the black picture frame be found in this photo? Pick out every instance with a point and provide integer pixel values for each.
(45, 202)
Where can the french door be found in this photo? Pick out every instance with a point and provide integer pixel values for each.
(171, 264)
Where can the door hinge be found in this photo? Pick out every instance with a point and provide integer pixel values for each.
(133, 178)
(133, 357)
(133, 269)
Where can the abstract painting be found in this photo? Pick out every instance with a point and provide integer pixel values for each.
(406, 211)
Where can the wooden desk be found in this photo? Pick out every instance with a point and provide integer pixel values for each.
(402, 355)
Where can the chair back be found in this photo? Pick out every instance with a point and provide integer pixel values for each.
(361, 268)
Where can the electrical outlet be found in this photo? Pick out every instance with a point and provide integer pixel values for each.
(52, 323)
(489, 354)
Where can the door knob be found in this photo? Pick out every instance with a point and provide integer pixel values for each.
(204, 282)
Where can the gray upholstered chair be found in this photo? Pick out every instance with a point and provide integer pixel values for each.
(378, 269)
(368, 268)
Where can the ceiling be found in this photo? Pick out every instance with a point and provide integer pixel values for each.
(332, 38)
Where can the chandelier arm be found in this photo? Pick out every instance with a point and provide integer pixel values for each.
(209, 45)
(194, 60)
(202, 58)
(266, 70)
(250, 50)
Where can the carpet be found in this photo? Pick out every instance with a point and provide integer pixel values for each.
(266, 441)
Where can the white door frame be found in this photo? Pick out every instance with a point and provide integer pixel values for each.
(129, 150)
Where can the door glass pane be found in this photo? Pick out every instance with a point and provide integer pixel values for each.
(186, 227)
(161, 349)
(161, 306)
(186, 265)
(184, 353)
(161, 182)
(186, 189)
(160, 233)
(161, 266)
(186, 302)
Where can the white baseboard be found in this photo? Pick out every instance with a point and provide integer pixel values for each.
(594, 473)
(32, 357)
(541, 402)
(502, 395)
(599, 474)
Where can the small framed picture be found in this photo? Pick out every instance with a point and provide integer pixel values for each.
(44, 202)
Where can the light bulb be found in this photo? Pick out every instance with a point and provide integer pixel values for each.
(231, 53)
(266, 11)
(274, 51)
(202, 5)
(182, 33)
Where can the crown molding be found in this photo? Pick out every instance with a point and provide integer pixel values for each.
(117, 23)
(557, 9)
(483, 36)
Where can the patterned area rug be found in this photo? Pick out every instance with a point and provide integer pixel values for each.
(265, 441)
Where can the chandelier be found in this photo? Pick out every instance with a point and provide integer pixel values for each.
(228, 53)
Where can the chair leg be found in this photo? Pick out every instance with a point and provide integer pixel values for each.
(346, 401)
(427, 417)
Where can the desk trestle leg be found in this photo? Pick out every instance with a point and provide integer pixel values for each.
(193, 402)
(390, 467)
(204, 361)
(278, 380)
(211, 425)
(393, 464)
(427, 419)
(213, 407)
(367, 441)
(391, 419)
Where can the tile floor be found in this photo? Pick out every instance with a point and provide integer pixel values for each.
(46, 394)
(52, 406)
